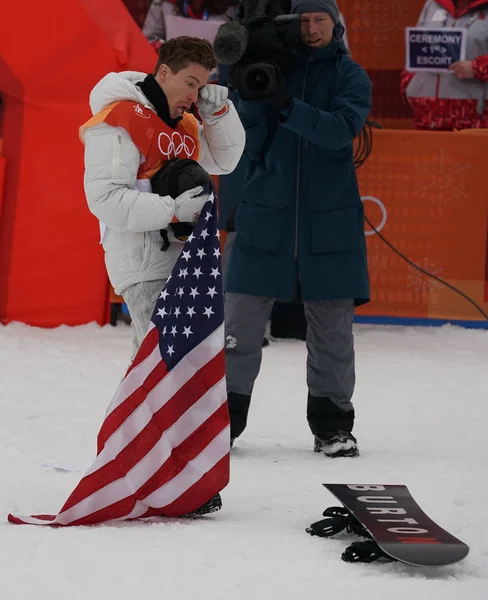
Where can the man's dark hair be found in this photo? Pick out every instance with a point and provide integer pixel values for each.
(179, 52)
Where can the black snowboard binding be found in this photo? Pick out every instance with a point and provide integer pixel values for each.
(340, 518)
(366, 552)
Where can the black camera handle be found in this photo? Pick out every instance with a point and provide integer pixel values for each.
(254, 9)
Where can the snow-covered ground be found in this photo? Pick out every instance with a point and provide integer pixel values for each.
(422, 420)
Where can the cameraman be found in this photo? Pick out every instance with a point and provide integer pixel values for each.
(301, 220)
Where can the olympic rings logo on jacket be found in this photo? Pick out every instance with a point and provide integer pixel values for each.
(176, 145)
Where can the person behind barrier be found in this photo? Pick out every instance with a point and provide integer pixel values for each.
(140, 122)
(300, 219)
(458, 98)
(155, 24)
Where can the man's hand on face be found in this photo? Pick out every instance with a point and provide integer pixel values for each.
(212, 101)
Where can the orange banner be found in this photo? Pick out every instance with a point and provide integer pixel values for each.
(425, 192)
(376, 30)
(376, 34)
(3, 164)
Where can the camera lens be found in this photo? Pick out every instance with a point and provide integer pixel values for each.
(257, 80)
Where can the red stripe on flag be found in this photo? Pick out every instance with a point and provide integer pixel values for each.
(118, 510)
(214, 479)
(17, 521)
(193, 445)
(148, 344)
(191, 392)
(176, 463)
(137, 449)
(117, 417)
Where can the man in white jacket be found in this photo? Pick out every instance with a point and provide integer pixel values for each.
(140, 122)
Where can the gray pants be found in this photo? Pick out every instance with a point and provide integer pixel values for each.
(141, 299)
(330, 349)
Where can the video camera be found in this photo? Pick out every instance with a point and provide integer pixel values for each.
(263, 34)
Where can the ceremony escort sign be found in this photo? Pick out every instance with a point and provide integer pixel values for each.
(434, 50)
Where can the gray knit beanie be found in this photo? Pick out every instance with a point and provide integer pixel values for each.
(315, 6)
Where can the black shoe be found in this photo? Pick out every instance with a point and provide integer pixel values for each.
(340, 443)
(213, 505)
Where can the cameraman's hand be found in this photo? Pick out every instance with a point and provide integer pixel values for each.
(189, 204)
(212, 102)
(282, 97)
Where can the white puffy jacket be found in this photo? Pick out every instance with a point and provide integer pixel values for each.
(132, 218)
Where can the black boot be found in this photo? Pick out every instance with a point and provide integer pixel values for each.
(238, 410)
(213, 505)
(328, 422)
(341, 443)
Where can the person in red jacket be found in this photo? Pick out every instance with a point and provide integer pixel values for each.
(204, 10)
(457, 99)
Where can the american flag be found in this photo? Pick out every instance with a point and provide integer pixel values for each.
(163, 448)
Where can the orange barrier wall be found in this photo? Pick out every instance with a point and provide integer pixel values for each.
(51, 264)
(376, 33)
(3, 166)
(427, 193)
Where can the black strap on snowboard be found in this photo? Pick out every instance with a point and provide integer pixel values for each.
(339, 518)
(366, 552)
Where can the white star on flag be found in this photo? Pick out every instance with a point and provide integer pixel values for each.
(208, 312)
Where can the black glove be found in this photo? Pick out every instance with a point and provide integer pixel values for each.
(281, 97)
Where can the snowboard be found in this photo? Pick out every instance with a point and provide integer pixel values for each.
(399, 529)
